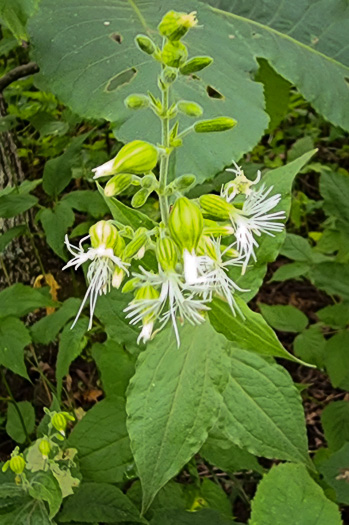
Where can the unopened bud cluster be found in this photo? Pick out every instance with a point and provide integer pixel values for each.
(196, 241)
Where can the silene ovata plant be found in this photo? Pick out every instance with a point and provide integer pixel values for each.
(197, 241)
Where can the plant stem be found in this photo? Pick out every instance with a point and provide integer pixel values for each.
(165, 136)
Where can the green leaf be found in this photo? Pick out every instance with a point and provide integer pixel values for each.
(337, 360)
(102, 442)
(56, 222)
(334, 188)
(332, 277)
(15, 203)
(31, 512)
(45, 487)
(58, 171)
(99, 502)
(72, 343)
(285, 318)
(14, 426)
(281, 179)
(116, 366)
(215, 497)
(46, 329)
(296, 248)
(183, 517)
(249, 333)
(335, 471)
(14, 337)
(293, 40)
(290, 271)
(262, 410)
(276, 93)
(165, 403)
(334, 315)
(125, 214)
(335, 422)
(87, 201)
(287, 494)
(18, 300)
(15, 13)
(310, 346)
(9, 235)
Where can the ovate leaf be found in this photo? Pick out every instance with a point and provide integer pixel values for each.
(14, 337)
(14, 425)
(287, 494)
(116, 366)
(56, 223)
(310, 345)
(19, 300)
(335, 421)
(332, 277)
(337, 359)
(15, 203)
(175, 392)
(46, 329)
(335, 471)
(285, 318)
(45, 487)
(70, 347)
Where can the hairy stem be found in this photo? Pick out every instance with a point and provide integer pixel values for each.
(165, 135)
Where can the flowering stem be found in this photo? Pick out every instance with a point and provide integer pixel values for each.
(165, 135)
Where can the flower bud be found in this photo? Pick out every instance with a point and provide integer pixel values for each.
(45, 448)
(195, 64)
(140, 197)
(174, 54)
(214, 124)
(103, 235)
(17, 464)
(136, 101)
(137, 157)
(186, 224)
(138, 241)
(182, 183)
(217, 230)
(145, 44)
(146, 292)
(175, 25)
(118, 184)
(118, 277)
(166, 253)
(149, 181)
(130, 285)
(189, 108)
(216, 206)
(229, 253)
(169, 75)
(59, 422)
(207, 247)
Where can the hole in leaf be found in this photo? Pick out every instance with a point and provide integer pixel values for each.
(116, 37)
(213, 93)
(120, 79)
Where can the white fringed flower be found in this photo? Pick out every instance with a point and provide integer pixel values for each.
(99, 274)
(254, 219)
(241, 184)
(175, 301)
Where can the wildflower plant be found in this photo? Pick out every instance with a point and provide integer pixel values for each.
(196, 241)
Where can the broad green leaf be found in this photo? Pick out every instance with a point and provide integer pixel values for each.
(165, 403)
(15, 13)
(58, 171)
(334, 188)
(9, 235)
(116, 366)
(46, 329)
(287, 494)
(183, 517)
(29, 512)
(262, 410)
(334, 315)
(125, 214)
(276, 93)
(110, 311)
(19, 300)
(56, 222)
(71, 344)
(15, 203)
(285, 318)
(171, 496)
(227, 456)
(296, 248)
(214, 497)
(290, 271)
(291, 36)
(14, 425)
(99, 502)
(335, 471)
(332, 277)
(14, 337)
(335, 422)
(45, 487)
(310, 346)
(281, 179)
(87, 201)
(249, 333)
(108, 67)
(337, 360)
(102, 442)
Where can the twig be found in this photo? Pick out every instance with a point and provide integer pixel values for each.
(18, 72)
